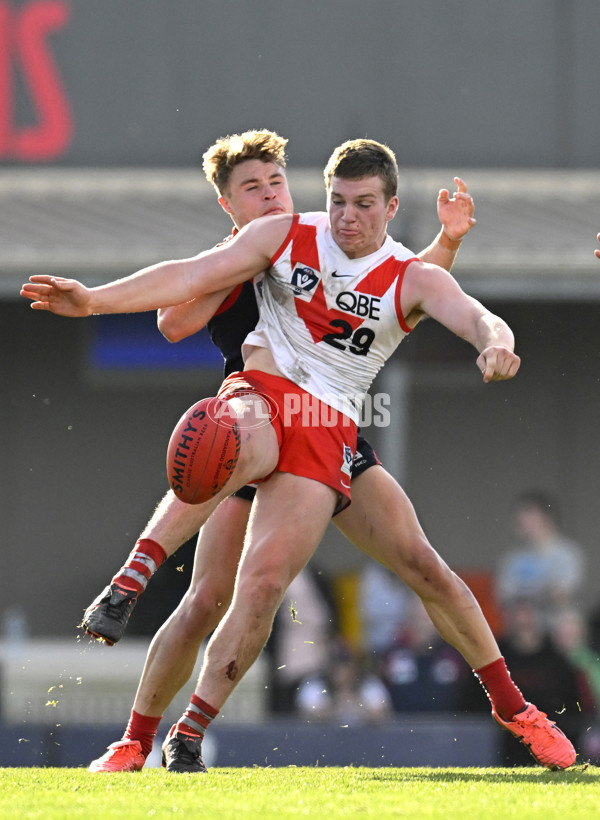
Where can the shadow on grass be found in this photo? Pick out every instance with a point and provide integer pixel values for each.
(584, 773)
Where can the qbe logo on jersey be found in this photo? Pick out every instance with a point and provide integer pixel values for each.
(304, 281)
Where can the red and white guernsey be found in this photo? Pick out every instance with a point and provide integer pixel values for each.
(330, 322)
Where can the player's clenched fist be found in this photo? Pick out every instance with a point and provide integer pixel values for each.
(498, 363)
(66, 297)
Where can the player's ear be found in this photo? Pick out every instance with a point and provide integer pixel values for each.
(225, 204)
(392, 208)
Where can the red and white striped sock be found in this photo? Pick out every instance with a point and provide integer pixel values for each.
(197, 718)
(144, 559)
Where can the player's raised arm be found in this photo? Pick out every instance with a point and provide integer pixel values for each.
(428, 290)
(166, 283)
(456, 215)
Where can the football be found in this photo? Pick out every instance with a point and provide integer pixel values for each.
(203, 451)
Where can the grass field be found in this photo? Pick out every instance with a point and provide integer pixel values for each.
(289, 792)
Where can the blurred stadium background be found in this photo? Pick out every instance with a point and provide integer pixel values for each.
(105, 109)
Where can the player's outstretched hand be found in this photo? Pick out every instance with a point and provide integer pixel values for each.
(498, 363)
(66, 297)
(598, 252)
(456, 212)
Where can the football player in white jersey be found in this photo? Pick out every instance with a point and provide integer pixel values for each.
(293, 507)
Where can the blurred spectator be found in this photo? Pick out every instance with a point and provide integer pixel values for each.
(593, 623)
(382, 606)
(347, 693)
(299, 643)
(422, 672)
(545, 566)
(570, 635)
(541, 671)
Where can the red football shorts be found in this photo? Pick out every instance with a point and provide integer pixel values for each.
(315, 440)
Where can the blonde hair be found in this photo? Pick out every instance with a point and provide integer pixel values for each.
(356, 159)
(221, 158)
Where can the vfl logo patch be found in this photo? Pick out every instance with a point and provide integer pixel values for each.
(348, 458)
(304, 281)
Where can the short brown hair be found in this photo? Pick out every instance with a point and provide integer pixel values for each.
(221, 158)
(356, 159)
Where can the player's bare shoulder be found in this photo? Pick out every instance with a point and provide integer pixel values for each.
(425, 275)
(423, 285)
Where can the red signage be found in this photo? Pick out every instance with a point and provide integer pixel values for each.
(24, 47)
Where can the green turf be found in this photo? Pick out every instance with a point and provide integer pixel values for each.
(289, 792)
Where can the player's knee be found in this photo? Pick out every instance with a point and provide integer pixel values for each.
(202, 609)
(262, 593)
(426, 572)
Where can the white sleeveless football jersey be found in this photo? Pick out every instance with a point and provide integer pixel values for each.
(330, 322)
